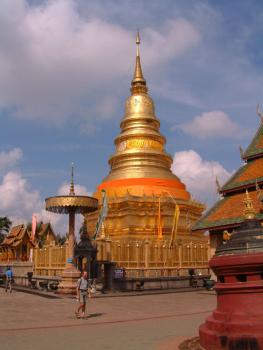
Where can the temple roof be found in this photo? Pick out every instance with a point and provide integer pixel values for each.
(228, 212)
(17, 233)
(15, 236)
(45, 229)
(255, 149)
(245, 176)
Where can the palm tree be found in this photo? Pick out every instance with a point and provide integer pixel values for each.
(5, 224)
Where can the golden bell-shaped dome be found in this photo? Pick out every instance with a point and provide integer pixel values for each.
(140, 158)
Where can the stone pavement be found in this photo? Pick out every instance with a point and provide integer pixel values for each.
(157, 322)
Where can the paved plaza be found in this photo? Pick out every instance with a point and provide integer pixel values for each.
(127, 322)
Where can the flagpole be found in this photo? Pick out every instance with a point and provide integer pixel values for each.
(100, 226)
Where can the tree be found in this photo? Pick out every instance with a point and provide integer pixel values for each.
(60, 239)
(5, 224)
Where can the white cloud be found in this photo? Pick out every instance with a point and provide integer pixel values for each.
(79, 190)
(199, 175)
(9, 159)
(177, 37)
(212, 124)
(55, 64)
(18, 200)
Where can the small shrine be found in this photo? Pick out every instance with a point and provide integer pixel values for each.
(85, 255)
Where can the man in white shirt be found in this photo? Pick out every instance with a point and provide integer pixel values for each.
(83, 291)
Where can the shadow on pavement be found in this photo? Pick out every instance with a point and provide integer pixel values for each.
(95, 315)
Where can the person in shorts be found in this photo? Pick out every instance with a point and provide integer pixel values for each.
(83, 292)
(9, 279)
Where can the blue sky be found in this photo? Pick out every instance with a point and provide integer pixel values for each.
(65, 71)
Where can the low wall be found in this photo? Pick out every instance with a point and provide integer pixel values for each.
(158, 283)
(19, 268)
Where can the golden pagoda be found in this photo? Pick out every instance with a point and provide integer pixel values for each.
(147, 203)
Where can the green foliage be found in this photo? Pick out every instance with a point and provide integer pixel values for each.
(60, 239)
(5, 224)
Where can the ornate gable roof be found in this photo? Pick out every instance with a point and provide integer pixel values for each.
(45, 229)
(245, 176)
(227, 212)
(255, 149)
(15, 236)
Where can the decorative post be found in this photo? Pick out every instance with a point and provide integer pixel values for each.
(146, 252)
(71, 205)
(49, 259)
(108, 248)
(71, 237)
(180, 255)
(137, 247)
(66, 252)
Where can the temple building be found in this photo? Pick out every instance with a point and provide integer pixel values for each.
(150, 211)
(227, 213)
(18, 242)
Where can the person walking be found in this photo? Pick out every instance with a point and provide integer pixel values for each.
(83, 292)
(9, 278)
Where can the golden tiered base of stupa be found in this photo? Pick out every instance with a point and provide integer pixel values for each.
(137, 217)
(143, 193)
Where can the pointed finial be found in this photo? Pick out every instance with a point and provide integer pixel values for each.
(259, 113)
(241, 152)
(138, 82)
(249, 210)
(72, 189)
(138, 41)
(218, 187)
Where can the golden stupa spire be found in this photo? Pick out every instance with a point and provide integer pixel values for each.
(138, 83)
(72, 189)
(249, 210)
(140, 147)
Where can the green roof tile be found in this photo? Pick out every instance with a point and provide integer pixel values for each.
(253, 149)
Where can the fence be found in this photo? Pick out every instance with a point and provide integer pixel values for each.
(6, 256)
(139, 258)
(155, 257)
(50, 260)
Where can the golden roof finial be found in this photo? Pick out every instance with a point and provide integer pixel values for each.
(249, 210)
(138, 41)
(138, 82)
(72, 189)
